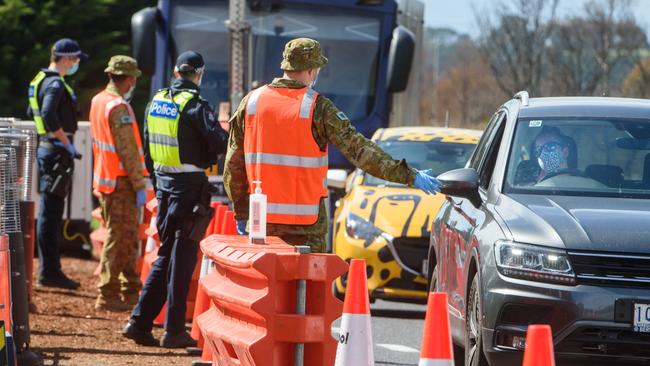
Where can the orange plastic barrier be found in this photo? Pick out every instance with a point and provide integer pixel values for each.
(253, 289)
(5, 278)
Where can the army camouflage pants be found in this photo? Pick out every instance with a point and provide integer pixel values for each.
(317, 243)
(117, 264)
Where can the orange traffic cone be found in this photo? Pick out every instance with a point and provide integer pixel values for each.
(202, 302)
(229, 226)
(218, 218)
(436, 341)
(539, 346)
(355, 337)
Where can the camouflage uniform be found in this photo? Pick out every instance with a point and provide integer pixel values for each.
(117, 264)
(330, 125)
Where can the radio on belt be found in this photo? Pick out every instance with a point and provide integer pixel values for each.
(257, 215)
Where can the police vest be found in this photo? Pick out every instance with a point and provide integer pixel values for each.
(280, 151)
(33, 100)
(108, 166)
(162, 126)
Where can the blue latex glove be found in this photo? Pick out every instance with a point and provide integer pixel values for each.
(241, 227)
(72, 150)
(427, 182)
(140, 198)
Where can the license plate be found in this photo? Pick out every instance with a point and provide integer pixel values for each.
(641, 321)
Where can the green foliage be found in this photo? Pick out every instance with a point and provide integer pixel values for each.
(29, 28)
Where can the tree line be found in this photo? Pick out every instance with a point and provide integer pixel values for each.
(525, 45)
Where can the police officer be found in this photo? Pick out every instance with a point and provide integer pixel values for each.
(53, 106)
(119, 182)
(182, 139)
(279, 136)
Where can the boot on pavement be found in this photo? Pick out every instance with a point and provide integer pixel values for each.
(178, 340)
(139, 336)
(110, 304)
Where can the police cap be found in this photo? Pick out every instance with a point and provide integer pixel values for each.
(68, 47)
(190, 61)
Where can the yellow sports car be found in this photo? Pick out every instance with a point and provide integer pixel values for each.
(388, 224)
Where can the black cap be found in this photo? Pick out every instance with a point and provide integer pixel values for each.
(189, 61)
(69, 47)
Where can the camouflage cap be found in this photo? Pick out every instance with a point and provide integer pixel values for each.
(123, 65)
(302, 54)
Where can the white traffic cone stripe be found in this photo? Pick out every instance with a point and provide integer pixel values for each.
(205, 266)
(355, 341)
(151, 244)
(434, 362)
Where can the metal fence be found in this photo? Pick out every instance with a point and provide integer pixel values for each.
(9, 192)
(25, 143)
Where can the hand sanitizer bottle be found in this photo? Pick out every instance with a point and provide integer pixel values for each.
(257, 215)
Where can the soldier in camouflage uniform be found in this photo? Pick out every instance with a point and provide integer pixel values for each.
(302, 60)
(119, 283)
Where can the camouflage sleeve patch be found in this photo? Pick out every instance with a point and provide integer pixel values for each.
(126, 119)
(342, 116)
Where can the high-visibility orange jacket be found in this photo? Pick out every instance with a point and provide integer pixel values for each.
(280, 151)
(108, 166)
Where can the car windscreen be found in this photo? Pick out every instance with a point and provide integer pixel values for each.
(350, 40)
(436, 155)
(580, 156)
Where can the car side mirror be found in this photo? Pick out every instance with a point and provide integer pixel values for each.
(143, 30)
(461, 183)
(400, 59)
(336, 179)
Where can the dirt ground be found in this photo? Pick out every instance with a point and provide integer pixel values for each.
(66, 329)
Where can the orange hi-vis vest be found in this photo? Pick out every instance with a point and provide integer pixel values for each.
(280, 151)
(108, 166)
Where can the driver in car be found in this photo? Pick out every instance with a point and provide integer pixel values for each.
(553, 151)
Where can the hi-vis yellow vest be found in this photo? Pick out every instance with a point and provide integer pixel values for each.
(162, 126)
(33, 100)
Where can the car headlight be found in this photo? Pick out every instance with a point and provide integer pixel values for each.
(360, 228)
(532, 262)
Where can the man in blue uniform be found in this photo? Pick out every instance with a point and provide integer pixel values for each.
(53, 106)
(181, 139)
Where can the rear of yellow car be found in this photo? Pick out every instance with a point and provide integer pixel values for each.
(388, 224)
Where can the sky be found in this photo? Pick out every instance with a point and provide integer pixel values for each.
(459, 14)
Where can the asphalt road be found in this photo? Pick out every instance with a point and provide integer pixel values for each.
(396, 332)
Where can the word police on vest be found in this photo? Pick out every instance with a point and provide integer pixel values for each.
(164, 109)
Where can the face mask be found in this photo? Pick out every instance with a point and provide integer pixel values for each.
(73, 69)
(550, 160)
(129, 95)
(313, 83)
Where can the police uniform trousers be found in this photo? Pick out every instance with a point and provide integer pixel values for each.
(171, 273)
(117, 264)
(50, 214)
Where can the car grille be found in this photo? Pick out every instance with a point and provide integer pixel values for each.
(611, 269)
(412, 251)
(605, 342)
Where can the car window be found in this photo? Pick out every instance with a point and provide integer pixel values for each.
(580, 156)
(483, 144)
(487, 166)
(440, 155)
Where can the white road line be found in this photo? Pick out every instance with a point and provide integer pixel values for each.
(398, 348)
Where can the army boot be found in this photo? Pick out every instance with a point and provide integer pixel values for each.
(130, 299)
(110, 304)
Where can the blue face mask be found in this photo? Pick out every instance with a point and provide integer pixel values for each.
(73, 69)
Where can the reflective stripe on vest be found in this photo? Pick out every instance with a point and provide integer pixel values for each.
(107, 163)
(280, 151)
(162, 125)
(33, 100)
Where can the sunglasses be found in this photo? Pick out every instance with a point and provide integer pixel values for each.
(548, 147)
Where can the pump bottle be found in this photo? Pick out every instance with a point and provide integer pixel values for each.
(257, 215)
